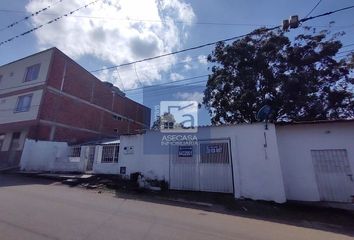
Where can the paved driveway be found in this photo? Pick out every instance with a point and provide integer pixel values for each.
(40, 209)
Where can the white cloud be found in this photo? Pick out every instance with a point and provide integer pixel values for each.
(114, 34)
(176, 76)
(202, 59)
(190, 96)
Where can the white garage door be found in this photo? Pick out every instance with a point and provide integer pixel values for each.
(333, 175)
(202, 167)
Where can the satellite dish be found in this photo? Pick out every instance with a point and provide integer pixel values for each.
(264, 114)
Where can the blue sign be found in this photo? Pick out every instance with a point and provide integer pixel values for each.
(185, 151)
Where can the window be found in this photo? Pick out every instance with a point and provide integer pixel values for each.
(116, 117)
(15, 142)
(2, 138)
(75, 151)
(168, 125)
(23, 103)
(32, 73)
(110, 153)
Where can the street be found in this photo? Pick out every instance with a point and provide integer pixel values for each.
(42, 209)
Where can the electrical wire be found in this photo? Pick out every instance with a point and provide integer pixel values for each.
(29, 16)
(313, 9)
(181, 51)
(223, 40)
(47, 23)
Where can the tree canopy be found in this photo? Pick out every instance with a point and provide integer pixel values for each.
(301, 79)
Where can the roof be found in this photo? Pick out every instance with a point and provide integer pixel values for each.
(315, 122)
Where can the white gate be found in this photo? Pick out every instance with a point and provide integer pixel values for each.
(333, 175)
(202, 167)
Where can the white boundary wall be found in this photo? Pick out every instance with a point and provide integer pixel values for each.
(50, 156)
(256, 168)
(295, 143)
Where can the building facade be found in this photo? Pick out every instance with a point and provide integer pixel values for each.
(48, 96)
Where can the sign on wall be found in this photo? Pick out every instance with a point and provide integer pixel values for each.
(128, 150)
(185, 151)
(214, 149)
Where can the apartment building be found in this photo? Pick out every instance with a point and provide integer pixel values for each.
(48, 96)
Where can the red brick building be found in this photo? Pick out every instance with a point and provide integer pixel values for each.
(48, 96)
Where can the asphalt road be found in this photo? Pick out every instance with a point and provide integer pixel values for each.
(39, 209)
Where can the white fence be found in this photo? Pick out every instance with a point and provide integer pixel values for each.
(52, 156)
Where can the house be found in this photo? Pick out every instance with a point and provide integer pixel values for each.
(308, 161)
(48, 96)
(305, 161)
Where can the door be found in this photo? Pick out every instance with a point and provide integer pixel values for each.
(90, 158)
(215, 167)
(202, 167)
(184, 168)
(333, 175)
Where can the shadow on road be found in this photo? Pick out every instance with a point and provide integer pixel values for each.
(320, 218)
(9, 179)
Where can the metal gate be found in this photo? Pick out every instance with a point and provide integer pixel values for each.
(333, 175)
(202, 167)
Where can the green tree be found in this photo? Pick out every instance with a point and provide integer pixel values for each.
(301, 79)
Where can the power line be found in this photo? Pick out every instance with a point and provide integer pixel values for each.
(167, 83)
(47, 23)
(326, 14)
(313, 9)
(29, 16)
(223, 40)
(167, 90)
(150, 20)
(181, 51)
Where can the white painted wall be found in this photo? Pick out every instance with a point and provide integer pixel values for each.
(295, 143)
(8, 106)
(49, 156)
(256, 169)
(18, 68)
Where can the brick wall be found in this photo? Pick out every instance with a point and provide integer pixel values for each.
(87, 105)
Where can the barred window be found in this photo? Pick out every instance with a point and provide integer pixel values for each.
(110, 153)
(75, 151)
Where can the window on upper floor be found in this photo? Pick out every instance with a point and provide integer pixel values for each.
(23, 103)
(32, 73)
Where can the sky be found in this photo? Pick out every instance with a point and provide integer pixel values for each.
(113, 32)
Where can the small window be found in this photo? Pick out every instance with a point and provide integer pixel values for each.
(116, 117)
(32, 73)
(75, 151)
(2, 139)
(23, 103)
(116, 130)
(168, 125)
